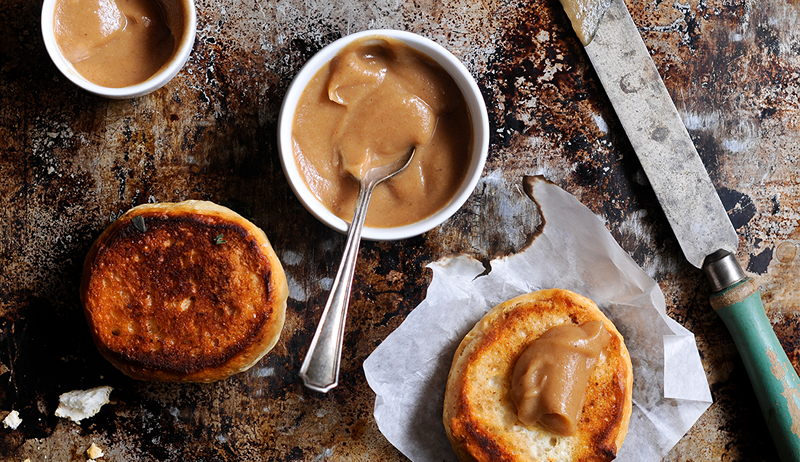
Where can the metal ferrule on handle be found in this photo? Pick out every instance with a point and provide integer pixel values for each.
(772, 375)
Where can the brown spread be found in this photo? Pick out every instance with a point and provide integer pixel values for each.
(552, 374)
(114, 43)
(373, 102)
(585, 16)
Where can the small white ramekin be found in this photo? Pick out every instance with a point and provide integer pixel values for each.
(180, 55)
(480, 131)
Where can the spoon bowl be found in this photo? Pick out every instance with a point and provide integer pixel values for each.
(320, 370)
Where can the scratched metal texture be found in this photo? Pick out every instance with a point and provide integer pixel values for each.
(71, 162)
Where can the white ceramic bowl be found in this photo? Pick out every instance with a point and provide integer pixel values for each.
(180, 55)
(480, 129)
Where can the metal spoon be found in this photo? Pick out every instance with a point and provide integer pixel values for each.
(320, 370)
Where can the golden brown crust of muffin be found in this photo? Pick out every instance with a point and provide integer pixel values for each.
(479, 416)
(197, 296)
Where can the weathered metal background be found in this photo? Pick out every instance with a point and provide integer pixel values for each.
(71, 162)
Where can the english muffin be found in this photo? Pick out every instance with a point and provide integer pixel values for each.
(480, 416)
(183, 292)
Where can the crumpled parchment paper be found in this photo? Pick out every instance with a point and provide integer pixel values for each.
(574, 251)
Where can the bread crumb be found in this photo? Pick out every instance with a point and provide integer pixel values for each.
(12, 420)
(94, 451)
(81, 404)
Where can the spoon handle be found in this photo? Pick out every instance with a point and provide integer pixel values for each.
(320, 370)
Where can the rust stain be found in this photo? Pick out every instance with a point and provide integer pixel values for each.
(786, 251)
(781, 286)
(70, 163)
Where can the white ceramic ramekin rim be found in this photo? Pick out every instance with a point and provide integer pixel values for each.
(150, 85)
(480, 129)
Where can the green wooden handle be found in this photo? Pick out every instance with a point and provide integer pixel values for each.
(771, 373)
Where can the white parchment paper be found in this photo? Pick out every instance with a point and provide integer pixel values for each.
(408, 371)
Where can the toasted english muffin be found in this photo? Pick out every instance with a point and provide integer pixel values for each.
(183, 292)
(480, 417)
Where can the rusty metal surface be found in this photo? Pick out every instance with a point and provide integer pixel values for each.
(71, 162)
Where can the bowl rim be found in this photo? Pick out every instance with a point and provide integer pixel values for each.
(156, 81)
(480, 128)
